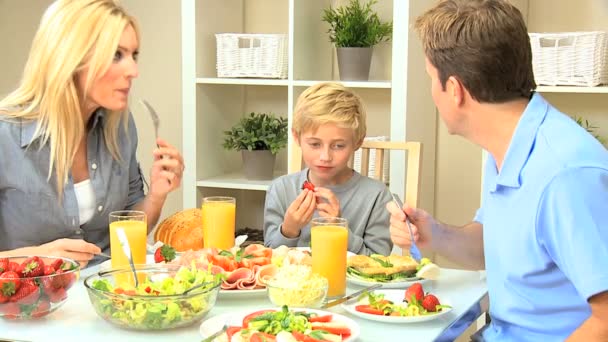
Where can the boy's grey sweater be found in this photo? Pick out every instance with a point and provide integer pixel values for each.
(362, 202)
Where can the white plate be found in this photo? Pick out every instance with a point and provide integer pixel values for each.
(242, 294)
(396, 296)
(395, 284)
(215, 323)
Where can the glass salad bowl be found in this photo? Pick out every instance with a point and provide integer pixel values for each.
(35, 286)
(168, 296)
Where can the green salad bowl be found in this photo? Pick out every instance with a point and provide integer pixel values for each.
(168, 296)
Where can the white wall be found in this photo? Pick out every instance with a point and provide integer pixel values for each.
(160, 67)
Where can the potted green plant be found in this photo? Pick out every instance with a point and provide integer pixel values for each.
(592, 129)
(354, 29)
(259, 137)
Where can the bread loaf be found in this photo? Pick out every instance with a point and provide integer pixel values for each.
(182, 230)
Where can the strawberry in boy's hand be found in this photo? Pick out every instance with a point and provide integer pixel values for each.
(430, 302)
(164, 253)
(415, 291)
(308, 185)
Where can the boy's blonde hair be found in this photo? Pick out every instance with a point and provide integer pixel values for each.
(73, 35)
(330, 102)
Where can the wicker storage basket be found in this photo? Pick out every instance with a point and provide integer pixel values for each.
(251, 55)
(570, 58)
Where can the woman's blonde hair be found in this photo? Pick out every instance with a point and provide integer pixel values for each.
(73, 35)
(330, 102)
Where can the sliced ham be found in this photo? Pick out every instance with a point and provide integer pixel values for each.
(264, 273)
(258, 250)
(239, 273)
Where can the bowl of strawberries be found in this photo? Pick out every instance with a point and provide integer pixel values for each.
(35, 286)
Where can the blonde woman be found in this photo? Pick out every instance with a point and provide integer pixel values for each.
(69, 142)
(329, 125)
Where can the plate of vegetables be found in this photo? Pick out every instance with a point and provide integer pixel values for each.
(282, 323)
(398, 306)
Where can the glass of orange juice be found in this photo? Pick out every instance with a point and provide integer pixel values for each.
(135, 225)
(219, 214)
(329, 244)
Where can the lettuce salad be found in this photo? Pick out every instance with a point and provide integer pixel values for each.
(148, 307)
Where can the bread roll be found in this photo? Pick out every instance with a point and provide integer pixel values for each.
(182, 230)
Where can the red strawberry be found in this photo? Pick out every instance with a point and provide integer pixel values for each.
(32, 267)
(48, 270)
(430, 302)
(27, 294)
(57, 295)
(164, 253)
(3, 265)
(15, 267)
(415, 291)
(3, 298)
(56, 264)
(42, 309)
(9, 283)
(10, 310)
(308, 185)
(63, 279)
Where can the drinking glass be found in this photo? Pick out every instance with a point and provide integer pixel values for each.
(329, 244)
(135, 225)
(218, 221)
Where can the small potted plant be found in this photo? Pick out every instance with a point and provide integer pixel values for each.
(259, 137)
(354, 30)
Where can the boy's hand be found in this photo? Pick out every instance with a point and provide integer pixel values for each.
(298, 214)
(328, 204)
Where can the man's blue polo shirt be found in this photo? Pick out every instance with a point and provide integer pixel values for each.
(545, 228)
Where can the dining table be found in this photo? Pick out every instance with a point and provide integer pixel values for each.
(76, 320)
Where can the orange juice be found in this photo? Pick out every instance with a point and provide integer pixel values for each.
(329, 245)
(136, 232)
(218, 222)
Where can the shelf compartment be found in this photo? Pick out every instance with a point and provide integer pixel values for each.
(242, 81)
(573, 89)
(237, 180)
(349, 84)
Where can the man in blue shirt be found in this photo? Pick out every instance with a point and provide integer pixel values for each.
(542, 229)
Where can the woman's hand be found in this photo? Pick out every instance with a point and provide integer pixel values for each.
(298, 214)
(421, 223)
(328, 204)
(76, 249)
(167, 169)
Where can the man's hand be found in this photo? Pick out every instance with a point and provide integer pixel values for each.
(328, 204)
(421, 223)
(299, 214)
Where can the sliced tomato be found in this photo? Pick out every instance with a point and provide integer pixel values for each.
(232, 330)
(368, 309)
(325, 319)
(262, 337)
(304, 338)
(250, 262)
(253, 315)
(227, 263)
(332, 328)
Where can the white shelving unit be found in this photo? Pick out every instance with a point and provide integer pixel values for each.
(567, 16)
(212, 105)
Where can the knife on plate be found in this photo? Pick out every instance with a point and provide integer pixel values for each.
(350, 296)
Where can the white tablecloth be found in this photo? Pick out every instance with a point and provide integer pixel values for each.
(76, 320)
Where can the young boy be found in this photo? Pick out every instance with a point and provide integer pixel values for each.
(329, 126)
